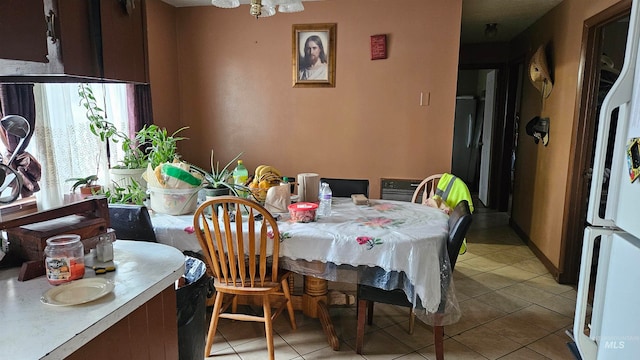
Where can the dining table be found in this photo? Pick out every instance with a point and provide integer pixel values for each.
(387, 244)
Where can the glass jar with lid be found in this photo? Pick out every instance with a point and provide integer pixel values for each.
(64, 258)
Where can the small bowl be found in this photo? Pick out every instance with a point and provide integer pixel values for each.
(303, 212)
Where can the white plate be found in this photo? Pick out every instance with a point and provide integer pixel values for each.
(77, 292)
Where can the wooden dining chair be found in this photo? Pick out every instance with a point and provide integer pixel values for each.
(347, 187)
(426, 189)
(244, 261)
(459, 223)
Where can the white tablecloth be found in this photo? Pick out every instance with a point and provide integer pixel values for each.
(399, 237)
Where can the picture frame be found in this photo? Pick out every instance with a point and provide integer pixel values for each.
(314, 55)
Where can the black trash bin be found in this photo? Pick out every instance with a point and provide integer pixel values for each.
(191, 306)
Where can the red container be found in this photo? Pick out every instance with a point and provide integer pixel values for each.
(303, 212)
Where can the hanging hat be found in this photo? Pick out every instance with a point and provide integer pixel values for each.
(539, 73)
(539, 128)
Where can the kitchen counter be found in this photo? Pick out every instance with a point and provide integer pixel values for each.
(145, 274)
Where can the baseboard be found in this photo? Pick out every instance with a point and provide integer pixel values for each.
(555, 272)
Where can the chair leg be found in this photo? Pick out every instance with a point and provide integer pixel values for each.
(287, 295)
(412, 320)
(370, 312)
(362, 307)
(234, 304)
(268, 326)
(213, 325)
(438, 337)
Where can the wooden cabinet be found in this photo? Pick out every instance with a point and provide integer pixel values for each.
(61, 40)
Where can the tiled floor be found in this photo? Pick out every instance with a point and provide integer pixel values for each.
(511, 309)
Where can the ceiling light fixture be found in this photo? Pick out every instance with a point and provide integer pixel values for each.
(491, 30)
(263, 8)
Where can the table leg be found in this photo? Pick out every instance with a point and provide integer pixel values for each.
(315, 306)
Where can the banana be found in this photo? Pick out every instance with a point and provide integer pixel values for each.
(270, 169)
(258, 170)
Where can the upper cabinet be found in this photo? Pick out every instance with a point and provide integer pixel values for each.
(53, 40)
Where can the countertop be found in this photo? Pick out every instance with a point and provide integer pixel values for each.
(33, 330)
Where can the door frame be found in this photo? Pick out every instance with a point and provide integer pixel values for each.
(583, 137)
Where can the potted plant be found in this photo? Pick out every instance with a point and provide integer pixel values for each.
(87, 185)
(131, 193)
(217, 180)
(161, 147)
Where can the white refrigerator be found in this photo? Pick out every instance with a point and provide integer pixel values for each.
(607, 317)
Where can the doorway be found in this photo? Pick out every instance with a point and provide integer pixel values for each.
(604, 40)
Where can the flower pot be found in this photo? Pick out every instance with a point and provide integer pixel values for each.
(123, 177)
(174, 201)
(89, 190)
(212, 192)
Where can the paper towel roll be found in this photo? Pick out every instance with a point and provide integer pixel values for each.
(308, 187)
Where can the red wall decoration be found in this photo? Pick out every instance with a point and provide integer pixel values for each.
(378, 47)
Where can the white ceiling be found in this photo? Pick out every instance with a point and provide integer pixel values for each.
(512, 16)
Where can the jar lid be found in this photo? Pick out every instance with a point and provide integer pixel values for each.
(63, 239)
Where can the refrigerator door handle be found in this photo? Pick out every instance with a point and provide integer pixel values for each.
(618, 97)
(588, 347)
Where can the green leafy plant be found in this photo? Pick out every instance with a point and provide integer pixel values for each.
(106, 131)
(128, 194)
(161, 147)
(218, 178)
(86, 181)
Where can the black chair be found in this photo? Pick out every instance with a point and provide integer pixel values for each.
(347, 187)
(459, 223)
(131, 222)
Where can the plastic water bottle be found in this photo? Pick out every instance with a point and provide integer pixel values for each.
(240, 176)
(325, 200)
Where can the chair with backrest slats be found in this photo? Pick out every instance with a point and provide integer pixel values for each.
(131, 222)
(347, 187)
(426, 189)
(459, 223)
(241, 248)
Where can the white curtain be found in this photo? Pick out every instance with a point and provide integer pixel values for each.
(64, 144)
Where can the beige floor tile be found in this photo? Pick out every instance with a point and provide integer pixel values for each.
(412, 356)
(465, 269)
(239, 332)
(504, 257)
(541, 317)
(570, 294)
(522, 251)
(482, 264)
(422, 334)
(493, 280)
(257, 349)
(486, 342)
(503, 302)
(474, 313)
(453, 350)
(224, 354)
(306, 339)
(528, 293)
(511, 327)
(515, 273)
(560, 305)
(548, 284)
(532, 265)
(487, 248)
(381, 345)
(553, 347)
(471, 287)
(524, 354)
(345, 353)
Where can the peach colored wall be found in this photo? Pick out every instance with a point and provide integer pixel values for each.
(541, 176)
(235, 89)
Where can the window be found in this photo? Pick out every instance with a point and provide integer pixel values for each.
(63, 142)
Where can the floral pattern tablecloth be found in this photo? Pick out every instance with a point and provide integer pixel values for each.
(393, 235)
